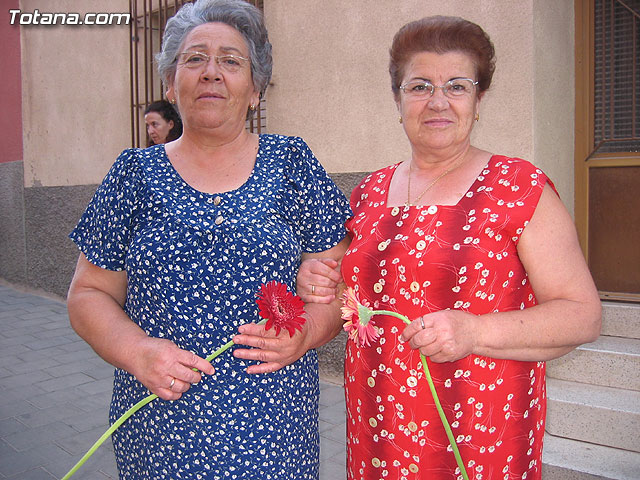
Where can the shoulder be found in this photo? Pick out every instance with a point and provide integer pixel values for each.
(130, 166)
(377, 181)
(132, 158)
(516, 167)
(512, 178)
(275, 143)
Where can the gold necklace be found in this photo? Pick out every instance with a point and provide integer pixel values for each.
(409, 203)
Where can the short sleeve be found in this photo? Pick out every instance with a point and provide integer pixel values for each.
(323, 208)
(104, 231)
(518, 191)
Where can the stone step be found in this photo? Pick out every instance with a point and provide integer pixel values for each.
(602, 415)
(566, 459)
(609, 362)
(621, 320)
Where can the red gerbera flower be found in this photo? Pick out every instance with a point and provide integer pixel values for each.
(282, 309)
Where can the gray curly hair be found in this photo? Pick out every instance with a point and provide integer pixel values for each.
(242, 16)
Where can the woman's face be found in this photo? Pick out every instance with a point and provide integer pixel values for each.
(207, 95)
(438, 123)
(157, 127)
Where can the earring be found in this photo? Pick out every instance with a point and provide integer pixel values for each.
(477, 117)
(400, 119)
(252, 107)
(172, 101)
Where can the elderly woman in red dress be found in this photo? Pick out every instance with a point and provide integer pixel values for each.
(478, 250)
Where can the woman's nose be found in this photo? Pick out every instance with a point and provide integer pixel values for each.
(211, 71)
(438, 101)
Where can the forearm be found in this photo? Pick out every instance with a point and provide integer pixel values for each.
(104, 325)
(324, 322)
(539, 333)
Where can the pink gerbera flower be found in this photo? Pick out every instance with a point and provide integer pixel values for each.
(282, 309)
(357, 314)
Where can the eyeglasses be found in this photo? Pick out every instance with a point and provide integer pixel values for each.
(227, 63)
(458, 87)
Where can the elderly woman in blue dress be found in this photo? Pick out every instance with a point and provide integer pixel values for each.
(174, 247)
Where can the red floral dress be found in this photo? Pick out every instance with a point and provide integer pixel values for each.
(417, 260)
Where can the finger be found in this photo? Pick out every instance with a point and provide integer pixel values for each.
(327, 278)
(423, 339)
(253, 329)
(414, 327)
(180, 387)
(255, 341)
(267, 367)
(166, 394)
(321, 291)
(256, 355)
(324, 274)
(330, 262)
(433, 352)
(310, 298)
(191, 360)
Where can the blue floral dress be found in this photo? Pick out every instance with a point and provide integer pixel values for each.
(194, 263)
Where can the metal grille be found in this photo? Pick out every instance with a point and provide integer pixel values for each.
(146, 39)
(617, 76)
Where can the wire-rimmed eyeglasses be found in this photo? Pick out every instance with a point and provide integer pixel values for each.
(227, 63)
(454, 88)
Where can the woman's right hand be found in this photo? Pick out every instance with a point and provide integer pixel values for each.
(167, 370)
(318, 280)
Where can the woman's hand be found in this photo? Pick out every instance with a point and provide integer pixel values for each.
(167, 370)
(271, 350)
(447, 336)
(318, 280)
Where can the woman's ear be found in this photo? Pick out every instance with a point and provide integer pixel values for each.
(171, 94)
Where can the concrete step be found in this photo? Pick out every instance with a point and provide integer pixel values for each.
(565, 459)
(602, 415)
(621, 320)
(608, 362)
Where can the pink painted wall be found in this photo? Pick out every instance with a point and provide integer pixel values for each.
(11, 91)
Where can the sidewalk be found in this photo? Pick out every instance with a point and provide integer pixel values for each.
(55, 393)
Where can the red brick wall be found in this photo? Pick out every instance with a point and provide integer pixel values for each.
(11, 91)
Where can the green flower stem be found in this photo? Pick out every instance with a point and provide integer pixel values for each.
(432, 387)
(109, 432)
(133, 410)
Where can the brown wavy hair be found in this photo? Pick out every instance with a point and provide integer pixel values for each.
(439, 34)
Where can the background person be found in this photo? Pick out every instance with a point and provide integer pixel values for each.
(480, 252)
(163, 123)
(174, 247)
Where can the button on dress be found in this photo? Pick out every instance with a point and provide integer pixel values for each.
(194, 264)
(422, 259)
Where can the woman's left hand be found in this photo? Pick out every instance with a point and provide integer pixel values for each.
(271, 350)
(447, 336)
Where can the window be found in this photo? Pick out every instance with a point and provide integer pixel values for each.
(617, 76)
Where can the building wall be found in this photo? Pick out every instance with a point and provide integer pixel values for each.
(73, 99)
(12, 238)
(331, 83)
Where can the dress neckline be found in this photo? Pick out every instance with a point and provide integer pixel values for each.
(248, 182)
(479, 178)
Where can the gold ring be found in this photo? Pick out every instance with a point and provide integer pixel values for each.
(313, 289)
(173, 382)
(422, 322)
